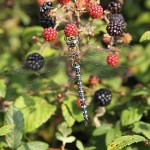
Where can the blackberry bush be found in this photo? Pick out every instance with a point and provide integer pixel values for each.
(52, 104)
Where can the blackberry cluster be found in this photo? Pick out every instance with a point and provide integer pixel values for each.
(45, 19)
(116, 25)
(103, 97)
(34, 62)
(114, 7)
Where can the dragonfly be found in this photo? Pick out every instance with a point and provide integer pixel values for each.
(87, 61)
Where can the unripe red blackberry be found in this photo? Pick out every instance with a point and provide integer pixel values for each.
(63, 1)
(93, 80)
(114, 7)
(40, 2)
(116, 27)
(102, 97)
(49, 34)
(95, 11)
(71, 30)
(34, 62)
(113, 60)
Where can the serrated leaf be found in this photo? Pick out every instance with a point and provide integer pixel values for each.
(145, 36)
(14, 116)
(36, 145)
(79, 145)
(6, 129)
(59, 136)
(142, 128)
(111, 135)
(63, 134)
(2, 88)
(35, 110)
(64, 130)
(67, 116)
(123, 141)
(69, 139)
(131, 115)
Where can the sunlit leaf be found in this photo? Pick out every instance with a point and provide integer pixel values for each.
(35, 110)
(145, 36)
(123, 141)
(34, 146)
(67, 116)
(79, 145)
(2, 88)
(6, 129)
(14, 117)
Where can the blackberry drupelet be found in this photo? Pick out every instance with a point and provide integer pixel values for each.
(34, 62)
(47, 22)
(45, 9)
(103, 97)
(114, 7)
(116, 27)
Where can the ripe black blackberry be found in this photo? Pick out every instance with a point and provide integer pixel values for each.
(114, 7)
(34, 62)
(116, 27)
(45, 9)
(102, 97)
(47, 22)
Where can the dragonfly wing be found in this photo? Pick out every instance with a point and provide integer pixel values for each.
(95, 62)
(54, 73)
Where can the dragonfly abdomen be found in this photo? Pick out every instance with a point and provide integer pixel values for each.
(81, 93)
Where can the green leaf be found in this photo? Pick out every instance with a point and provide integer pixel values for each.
(69, 139)
(79, 145)
(14, 117)
(67, 116)
(112, 134)
(64, 130)
(63, 134)
(2, 145)
(2, 88)
(141, 91)
(36, 145)
(123, 141)
(59, 136)
(6, 129)
(142, 128)
(102, 129)
(145, 36)
(75, 111)
(35, 110)
(131, 115)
